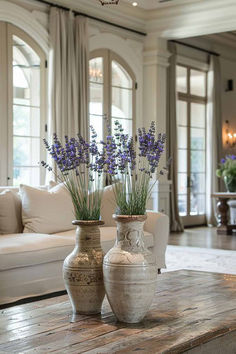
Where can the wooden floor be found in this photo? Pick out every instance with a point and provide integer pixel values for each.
(191, 310)
(204, 237)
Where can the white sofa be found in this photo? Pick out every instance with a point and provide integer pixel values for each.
(31, 263)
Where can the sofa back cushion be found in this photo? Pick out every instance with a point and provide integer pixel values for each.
(46, 211)
(10, 212)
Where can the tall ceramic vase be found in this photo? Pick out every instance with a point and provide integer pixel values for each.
(82, 269)
(129, 271)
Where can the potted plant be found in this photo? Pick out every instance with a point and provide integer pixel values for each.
(227, 171)
(82, 269)
(129, 268)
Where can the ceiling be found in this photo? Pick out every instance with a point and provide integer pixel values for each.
(148, 4)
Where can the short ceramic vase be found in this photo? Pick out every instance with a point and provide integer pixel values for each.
(230, 183)
(129, 271)
(82, 269)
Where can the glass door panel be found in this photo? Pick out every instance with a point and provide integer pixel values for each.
(191, 143)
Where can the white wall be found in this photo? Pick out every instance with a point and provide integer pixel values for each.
(228, 69)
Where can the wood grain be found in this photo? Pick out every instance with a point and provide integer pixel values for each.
(203, 237)
(190, 308)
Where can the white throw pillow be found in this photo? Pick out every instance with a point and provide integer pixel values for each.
(10, 213)
(46, 211)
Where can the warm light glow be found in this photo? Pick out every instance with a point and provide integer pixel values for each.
(230, 136)
(135, 3)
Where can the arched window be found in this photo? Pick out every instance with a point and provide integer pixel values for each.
(112, 92)
(23, 72)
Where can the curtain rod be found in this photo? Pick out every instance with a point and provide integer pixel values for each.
(197, 48)
(91, 17)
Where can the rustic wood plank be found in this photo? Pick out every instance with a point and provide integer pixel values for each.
(190, 309)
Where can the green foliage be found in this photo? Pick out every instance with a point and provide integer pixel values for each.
(86, 195)
(227, 167)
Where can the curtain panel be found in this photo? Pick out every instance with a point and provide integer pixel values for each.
(214, 135)
(175, 220)
(68, 74)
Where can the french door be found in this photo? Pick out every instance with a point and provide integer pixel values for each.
(191, 141)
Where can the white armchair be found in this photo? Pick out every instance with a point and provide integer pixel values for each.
(157, 224)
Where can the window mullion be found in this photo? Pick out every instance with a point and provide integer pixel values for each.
(3, 104)
(188, 146)
(10, 103)
(106, 92)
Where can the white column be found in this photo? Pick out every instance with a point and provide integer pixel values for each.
(156, 63)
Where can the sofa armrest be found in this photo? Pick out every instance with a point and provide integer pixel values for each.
(158, 225)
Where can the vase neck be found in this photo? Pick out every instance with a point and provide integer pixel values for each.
(87, 237)
(130, 235)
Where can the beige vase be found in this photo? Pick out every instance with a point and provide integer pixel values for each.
(82, 269)
(129, 271)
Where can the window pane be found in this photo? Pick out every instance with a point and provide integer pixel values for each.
(182, 203)
(26, 151)
(182, 137)
(197, 139)
(197, 204)
(120, 77)
(26, 121)
(26, 113)
(96, 70)
(182, 160)
(198, 184)
(26, 175)
(181, 79)
(126, 124)
(197, 161)
(198, 115)
(26, 74)
(181, 113)
(182, 183)
(121, 103)
(97, 123)
(197, 83)
(96, 99)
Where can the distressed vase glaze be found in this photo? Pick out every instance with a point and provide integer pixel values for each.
(129, 271)
(82, 269)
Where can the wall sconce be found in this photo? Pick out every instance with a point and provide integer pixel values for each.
(230, 136)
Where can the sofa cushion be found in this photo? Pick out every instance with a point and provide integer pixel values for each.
(46, 211)
(10, 212)
(27, 249)
(30, 249)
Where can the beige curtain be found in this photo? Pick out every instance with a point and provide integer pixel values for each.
(175, 220)
(68, 74)
(214, 137)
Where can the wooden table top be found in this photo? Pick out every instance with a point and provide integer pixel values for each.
(190, 308)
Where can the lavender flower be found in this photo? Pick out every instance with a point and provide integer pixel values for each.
(80, 166)
(120, 160)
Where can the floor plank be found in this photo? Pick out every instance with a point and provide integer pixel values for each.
(204, 237)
